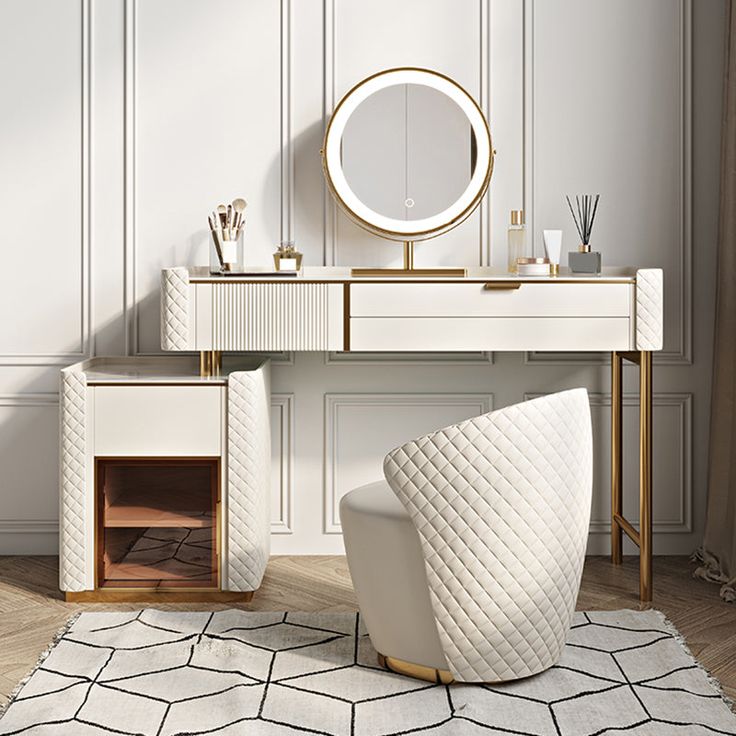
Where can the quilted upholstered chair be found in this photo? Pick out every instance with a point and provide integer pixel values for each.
(467, 559)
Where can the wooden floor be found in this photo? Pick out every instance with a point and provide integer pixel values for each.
(32, 610)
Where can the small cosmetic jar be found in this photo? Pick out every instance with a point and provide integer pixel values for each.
(533, 266)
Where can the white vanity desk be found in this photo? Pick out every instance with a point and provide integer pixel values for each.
(328, 309)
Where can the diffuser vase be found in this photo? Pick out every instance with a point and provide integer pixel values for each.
(584, 260)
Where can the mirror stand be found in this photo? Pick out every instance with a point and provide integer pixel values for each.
(408, 269)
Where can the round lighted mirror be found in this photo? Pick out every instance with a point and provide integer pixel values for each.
(407, 154)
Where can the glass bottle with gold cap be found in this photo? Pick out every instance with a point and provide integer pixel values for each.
(516, 240)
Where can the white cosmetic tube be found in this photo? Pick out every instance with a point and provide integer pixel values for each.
(553, 248)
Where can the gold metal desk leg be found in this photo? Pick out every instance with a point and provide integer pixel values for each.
(210, 363)
(645, 477)
(643, 537)
(616, 458)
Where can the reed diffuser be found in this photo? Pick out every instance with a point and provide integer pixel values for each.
(584, 260)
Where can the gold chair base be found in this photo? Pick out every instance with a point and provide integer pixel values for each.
(417, 671)
(619, 525)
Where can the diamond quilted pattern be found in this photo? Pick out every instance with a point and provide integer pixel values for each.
(502, 506)
(249, 478)
(649, 309)
(174, 309)
(73, 416)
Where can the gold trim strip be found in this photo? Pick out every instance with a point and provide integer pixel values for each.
(462, 279)
(193, 381)
(346, 317)
(157, 595)
(409, 272)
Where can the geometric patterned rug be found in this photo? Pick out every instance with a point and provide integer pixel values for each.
(273, 674)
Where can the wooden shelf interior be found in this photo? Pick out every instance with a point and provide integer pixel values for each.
(159, 557)
(158, 496)
(157, 523)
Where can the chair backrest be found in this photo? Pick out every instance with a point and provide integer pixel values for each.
(501, 503)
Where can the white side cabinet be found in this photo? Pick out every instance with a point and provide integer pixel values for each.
(164, 479)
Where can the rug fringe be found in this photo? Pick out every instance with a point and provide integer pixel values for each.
(58, 636)
(715, 683)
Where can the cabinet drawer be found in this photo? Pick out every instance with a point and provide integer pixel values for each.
(490, 333)
(547, 299)
(136, 421)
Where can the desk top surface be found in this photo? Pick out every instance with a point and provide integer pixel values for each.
(159, 370)
(339, 274)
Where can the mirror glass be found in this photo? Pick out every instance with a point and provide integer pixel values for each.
(408, 151)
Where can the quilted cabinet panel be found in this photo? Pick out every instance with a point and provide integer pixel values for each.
(249, 484)
(175, 309)
(649, 309)
(73, 545)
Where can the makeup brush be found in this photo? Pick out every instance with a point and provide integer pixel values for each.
(216, 240)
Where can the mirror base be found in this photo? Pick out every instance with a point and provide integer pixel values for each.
(409, 272)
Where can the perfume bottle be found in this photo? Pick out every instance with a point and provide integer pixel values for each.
(516, 240)
(287, 257)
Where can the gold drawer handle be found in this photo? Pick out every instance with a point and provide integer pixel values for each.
(501, 285)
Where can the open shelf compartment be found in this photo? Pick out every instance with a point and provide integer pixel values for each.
(157, 523)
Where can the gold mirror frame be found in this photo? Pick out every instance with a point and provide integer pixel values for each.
(408, 238)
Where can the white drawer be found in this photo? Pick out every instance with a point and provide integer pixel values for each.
(490, 333)
(547, 299)
(158, 420)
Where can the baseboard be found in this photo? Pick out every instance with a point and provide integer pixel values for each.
(29, 537)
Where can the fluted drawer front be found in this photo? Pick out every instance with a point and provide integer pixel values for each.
(276, 316)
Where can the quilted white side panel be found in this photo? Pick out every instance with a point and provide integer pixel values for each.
(72, 507)
(249, 478)
(649, 309)
(502, 506)
(174, 309)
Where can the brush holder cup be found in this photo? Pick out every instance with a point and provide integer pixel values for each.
(226, 255)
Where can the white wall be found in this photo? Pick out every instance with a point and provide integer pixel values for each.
(124, 122)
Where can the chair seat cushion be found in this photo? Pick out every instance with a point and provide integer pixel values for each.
(375, 499)
(389, 575)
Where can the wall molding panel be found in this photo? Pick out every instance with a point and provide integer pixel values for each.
(283, 474)
(682, 354)
(132, 294)
(462, 406)
(64, 357)
(20, 400)
(29, 526)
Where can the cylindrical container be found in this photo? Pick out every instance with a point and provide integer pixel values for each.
(226, 256)
(516, 239)
(533, 267)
